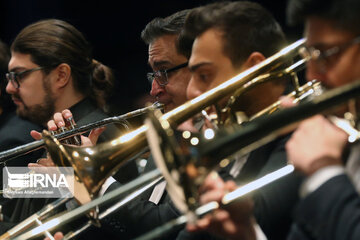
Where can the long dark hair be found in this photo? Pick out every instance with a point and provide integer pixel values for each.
(51, 42)
(245, 26)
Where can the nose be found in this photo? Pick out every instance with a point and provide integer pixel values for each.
(10, 89)
(192, 90)
(156, 89)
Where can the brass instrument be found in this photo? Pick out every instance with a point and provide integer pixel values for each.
(44, 213)
(36, 218)
(211, 206)
(93, 165)
(172, 157)
(309, 89)
(229, 139)
(304, 91)
(33, 146)
(230, 111)
(142, 184)
(189, 164)
(105, 159)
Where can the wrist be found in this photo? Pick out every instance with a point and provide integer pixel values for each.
(319, 177)
(322, 163)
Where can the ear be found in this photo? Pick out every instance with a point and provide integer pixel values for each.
(253, 59)
(63, 75)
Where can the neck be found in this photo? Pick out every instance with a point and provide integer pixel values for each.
(67, 99)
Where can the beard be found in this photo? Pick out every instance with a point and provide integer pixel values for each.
(39, 113)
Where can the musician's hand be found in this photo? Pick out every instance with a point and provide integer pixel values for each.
(62, 120)
(57, 236)
(35, 135)
(42, 162)
(234, 221)
(315, 144)
(286, 102)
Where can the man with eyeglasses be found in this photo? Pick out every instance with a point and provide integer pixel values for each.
(330, 205)
(229, 38)
(168, 85)
(14, 131)
(169, 80)
(44, 79)
(329, 208)
(171, 75)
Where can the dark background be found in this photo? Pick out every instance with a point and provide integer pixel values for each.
(114, 32)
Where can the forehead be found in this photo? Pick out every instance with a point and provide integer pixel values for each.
(20, 60)
(207, 47)
(163, 49)
(320, 31)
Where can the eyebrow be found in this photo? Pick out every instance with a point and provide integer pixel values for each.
(196, 66)
(160, 63)
(17, 68)
(325, 45)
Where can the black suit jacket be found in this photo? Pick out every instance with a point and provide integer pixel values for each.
(274, 203)
(332, 212)
(14, 132)
(140, 215)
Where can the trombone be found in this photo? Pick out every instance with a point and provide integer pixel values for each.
(38, 144)
(212, 152)
(39, 216)
(93, 165)
(106, 158)
(229, 139)
(150, 178)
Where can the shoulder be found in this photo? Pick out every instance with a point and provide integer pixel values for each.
(16, 130)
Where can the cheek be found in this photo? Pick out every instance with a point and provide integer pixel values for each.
(176, 91)
(342, 74)
(355, 68)
(32, 95)
(345, 71)
(178, 85)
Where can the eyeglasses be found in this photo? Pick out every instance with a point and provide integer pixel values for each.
(161, 76)
(15, 77)
(325, 58)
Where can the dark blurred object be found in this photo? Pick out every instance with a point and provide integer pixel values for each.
(6, 105)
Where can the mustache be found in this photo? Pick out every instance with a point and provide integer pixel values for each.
(16, 97)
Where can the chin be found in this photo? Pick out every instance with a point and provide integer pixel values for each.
(169, 107)
(21, 114)
(166, 109)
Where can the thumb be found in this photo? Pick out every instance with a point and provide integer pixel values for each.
(35, 135)
(58, 236)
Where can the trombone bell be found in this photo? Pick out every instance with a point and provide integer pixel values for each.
(93, 165)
